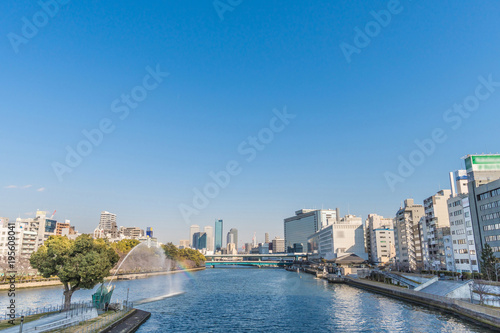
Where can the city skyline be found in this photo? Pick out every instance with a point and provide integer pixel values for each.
(352, 120)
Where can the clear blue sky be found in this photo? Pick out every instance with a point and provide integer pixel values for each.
(353, 119)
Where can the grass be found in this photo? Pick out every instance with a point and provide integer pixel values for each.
(87, 323)
(27, 319)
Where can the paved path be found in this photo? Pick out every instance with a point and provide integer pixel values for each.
(131, 323)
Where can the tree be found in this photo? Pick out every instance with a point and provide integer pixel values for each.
(125, 245)
(481, 289)
(171, 251)
(488, 261)
(80, 263)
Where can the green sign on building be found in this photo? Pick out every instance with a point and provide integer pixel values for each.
(482, 163)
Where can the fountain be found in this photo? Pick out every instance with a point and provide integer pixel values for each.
(152, 259)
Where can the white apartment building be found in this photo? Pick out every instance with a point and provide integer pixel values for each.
(209, 230)
(278, 245)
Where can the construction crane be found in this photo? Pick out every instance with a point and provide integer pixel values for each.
(54, 213)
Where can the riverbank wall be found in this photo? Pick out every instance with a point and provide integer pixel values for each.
(479, 314)
(131, 276)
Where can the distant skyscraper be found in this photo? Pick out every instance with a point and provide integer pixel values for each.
(149, 232)
(266, 238)
(218, 234)
(192, 230)
(209, 230)
(232, 237)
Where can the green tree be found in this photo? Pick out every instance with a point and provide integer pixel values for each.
(171, 251)
(80, 263)
(125, 245)
(488, 261)
(193, 255)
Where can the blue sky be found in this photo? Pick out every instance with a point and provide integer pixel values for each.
(352, 119)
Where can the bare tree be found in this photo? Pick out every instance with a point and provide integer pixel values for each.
(481, 289)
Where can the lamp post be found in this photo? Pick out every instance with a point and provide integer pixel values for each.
(21, 326)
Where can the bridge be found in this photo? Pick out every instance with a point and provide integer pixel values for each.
(294, 256)
(247, 263)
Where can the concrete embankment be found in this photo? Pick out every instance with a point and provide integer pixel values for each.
(132, 276)
(479, 314)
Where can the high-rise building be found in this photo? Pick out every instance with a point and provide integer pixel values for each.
(149, 232)
(483, 172)
(218, 235)
(266, 238)
(199, 241)
(436, 226)
(305, 223)
(379, 239)
(407, 236)
(232, 237)
(192, 230)
(278, 245)
(209, 230)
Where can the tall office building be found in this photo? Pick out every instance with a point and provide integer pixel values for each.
(219, 226)
(149, 232)
(305, 223)
(436, 226)
(199, 240)
(184, 244)
(192, 230)
(209, 230)
(232, 237)
(483, 173)
(407, 236)
(266, 238)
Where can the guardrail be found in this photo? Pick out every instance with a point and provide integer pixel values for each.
(108, 320)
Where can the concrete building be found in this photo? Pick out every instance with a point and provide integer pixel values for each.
(437, 225)
(483, 172)
(266, 238)
(278, 245)
(463, 254)
(209, 230)
(379, 239)
(107, 223)
(199, 241)
(131, 232)
(25, 240)
(192, 230)
(338, 238)
(231, 248)
(305, 223)
(407, 236)
(232, 237)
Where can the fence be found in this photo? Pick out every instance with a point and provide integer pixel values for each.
(75, 308)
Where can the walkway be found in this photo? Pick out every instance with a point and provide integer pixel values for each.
(131, 323)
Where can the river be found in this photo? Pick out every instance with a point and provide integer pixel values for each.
(274, 300)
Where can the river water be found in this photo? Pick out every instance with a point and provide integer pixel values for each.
(251, 299)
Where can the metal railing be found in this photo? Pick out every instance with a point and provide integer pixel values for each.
(106, 321)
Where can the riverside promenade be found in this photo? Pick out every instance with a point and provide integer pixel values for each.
(486, 316)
